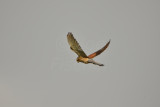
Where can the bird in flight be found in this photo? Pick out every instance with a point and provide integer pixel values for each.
(82, 57)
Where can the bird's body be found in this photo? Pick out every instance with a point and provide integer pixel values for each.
(82, 57)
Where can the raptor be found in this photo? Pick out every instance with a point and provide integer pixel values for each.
(82, 57)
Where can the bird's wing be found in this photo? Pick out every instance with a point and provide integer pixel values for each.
(99, 51)
(74, 45)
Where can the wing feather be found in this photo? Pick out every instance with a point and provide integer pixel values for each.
(99, 51)
(74, 45)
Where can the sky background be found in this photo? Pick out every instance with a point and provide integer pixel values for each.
(38, 69)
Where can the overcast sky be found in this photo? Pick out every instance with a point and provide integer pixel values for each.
(38, 69)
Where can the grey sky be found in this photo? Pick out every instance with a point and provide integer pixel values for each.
(38, 69)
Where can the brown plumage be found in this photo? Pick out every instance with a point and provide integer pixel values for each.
(82, 57)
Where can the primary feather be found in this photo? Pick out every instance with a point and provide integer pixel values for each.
(74, 45)
(99, 51)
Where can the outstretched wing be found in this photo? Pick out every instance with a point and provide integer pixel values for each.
(74, 45)
(99, 51)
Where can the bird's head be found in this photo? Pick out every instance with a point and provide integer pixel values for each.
(78, 60)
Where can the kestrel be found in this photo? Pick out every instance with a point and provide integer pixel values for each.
(82, 57)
